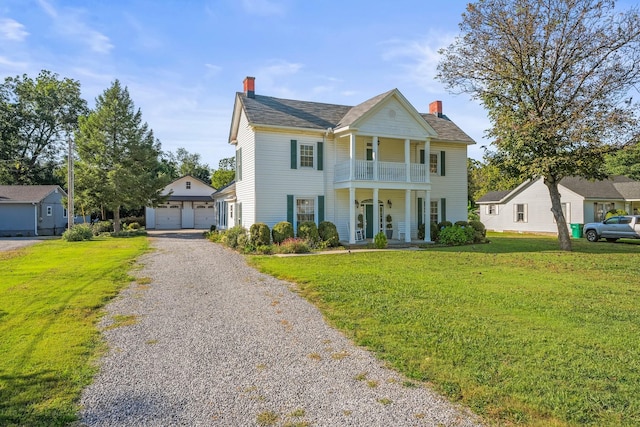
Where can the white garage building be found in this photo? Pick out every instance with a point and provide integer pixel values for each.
(189, 206)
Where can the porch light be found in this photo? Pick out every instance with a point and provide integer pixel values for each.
(357, 204)
(389, 203)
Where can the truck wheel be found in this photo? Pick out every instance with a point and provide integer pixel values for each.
(591, 235)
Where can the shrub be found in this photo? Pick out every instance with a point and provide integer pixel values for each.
(329, 234)
(480, 232)
(102, 227)
(235, 236)
(435, 231)
(294, 246)
(131, 219)
(129, 233)
(444, 224)
(264, 250)
(260, 234)
(615, 212)
(78, 233)
(380, 240)
(421, 230)
(456, 235)
(282, 231)
(133, 226)
(214, 236)
(308, 231)
(461, 223)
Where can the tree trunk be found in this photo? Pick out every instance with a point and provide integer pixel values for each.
(116, 219)
(556, 207)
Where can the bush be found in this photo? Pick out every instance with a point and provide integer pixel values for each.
(480, 232)
(329, 234)
(214, 236)
(456, 235)
(615, 212)
(133, 226)
(435, 231)
(102, 227)
(127, 221)
(78, 233)
(260, 234)
(461, 223)
(444, 224)
(308, 231)
(294, 246)
(282, 231)
(421, 230)
(380, 241)
(235, 236)
(129, 233)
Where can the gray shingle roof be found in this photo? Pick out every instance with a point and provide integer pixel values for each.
(26, 193)
(605, 189)
(270, 111)
(493, 196)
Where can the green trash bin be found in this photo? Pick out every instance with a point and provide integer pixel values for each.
(576, 231)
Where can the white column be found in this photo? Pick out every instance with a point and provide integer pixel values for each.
(376, 212)
(374, 145)
(407, 159)
(352, 157)
(427, 213)
(352, 215)
(407, 215)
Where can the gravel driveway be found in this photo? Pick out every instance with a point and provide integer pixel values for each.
(216, 343)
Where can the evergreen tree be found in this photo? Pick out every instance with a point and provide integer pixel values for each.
(118, 157)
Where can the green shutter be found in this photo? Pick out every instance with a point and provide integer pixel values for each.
(420, 219)
(320, 209)
(294, 154)
(422, 157)
(320, 155)
(290, 208)
(443, 209)
(442, 163)
(239, 164)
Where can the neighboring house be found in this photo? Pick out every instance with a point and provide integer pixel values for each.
(307, 161)
(32, 210)
(189, 205)
(527, 208)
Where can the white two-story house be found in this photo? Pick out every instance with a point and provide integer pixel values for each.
(308, 161)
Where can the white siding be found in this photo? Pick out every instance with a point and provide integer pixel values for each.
(453, 185)
(393, 120)
(246, 187)
(179, 187)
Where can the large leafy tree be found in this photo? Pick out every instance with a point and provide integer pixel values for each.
(625, 162)
(36, 119)
(484, 176)
(553, 76)
(118, 157)
(225, 173)
(185, 163)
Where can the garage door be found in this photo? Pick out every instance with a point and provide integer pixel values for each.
(204, 217)
(168, 217)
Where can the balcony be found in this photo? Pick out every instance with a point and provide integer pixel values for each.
(364, 170)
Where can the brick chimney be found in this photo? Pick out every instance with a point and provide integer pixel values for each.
(436, 108)
(250, 87)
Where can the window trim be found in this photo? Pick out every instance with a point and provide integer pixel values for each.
(434, 165)
(49, 210)
(313, 148)
(187, 185)
(435, 203)
(516, 213)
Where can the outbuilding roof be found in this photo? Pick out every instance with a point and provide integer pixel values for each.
(27, 193)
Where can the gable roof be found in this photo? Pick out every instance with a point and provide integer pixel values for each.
(27, 193)
(288, 113)
(616, 187)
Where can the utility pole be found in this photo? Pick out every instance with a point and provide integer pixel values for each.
(70, 213)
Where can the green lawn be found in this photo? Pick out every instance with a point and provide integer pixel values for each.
(51, 296)
(518, 331)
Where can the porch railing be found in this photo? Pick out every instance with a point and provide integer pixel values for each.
(387, 171)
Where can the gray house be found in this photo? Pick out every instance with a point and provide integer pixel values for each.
(32, 210)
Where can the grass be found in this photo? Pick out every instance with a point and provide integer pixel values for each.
(51, 299)
(518, 331)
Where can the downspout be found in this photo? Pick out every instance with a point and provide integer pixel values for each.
(35, 218)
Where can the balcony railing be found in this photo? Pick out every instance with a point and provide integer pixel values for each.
(387, 172)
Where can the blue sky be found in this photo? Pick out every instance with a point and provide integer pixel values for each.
(183, 60)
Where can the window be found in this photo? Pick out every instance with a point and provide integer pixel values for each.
(369, 152)
(222, 214)
(306, 156)
(492, 210)
(188, 184)
(433, 163)
(520, 212)
(49, 210)
(601, 209)
(64, 212)
(434, 211)
(305, 210)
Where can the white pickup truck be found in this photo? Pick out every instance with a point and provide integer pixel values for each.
(613, 228)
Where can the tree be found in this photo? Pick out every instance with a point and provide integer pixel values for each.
(625, 162)
(185, 163)
(486, 176)
(36, 119)
(225, 174)
(553, 76)
(118, 157)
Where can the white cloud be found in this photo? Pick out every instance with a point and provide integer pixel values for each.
(12, 30)
(8, 66)
(272, 78)
(264, 7)
(418, 59)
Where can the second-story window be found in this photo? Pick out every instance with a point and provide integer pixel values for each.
(433, 163)
(188, 185)
(306, 155)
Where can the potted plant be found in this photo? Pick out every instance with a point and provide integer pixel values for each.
(389, 230)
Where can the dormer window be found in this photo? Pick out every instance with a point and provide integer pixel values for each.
(188, 185)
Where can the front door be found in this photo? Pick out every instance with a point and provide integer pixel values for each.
(368, 219)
